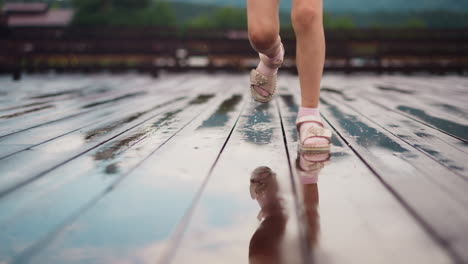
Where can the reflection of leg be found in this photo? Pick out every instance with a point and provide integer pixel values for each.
(310, 57)
(265, 243)
(308, 167)
(263, 26)
(311, 199)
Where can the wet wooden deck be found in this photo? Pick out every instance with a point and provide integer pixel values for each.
(130, 169)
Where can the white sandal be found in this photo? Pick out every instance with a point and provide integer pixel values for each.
(264, 82)
(314, 131)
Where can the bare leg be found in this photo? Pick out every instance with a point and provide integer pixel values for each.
(310, 51)
(307, 22)
(263, 25)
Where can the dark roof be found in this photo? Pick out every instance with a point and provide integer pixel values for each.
(28, 8)
(56, 17)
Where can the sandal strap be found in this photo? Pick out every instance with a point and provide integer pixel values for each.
(259, 80)
(308, 118)
(314, 131)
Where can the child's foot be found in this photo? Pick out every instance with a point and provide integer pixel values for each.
(263, 78)
(313, 136)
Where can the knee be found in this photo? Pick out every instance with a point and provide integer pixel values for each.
(304, 18)
(262, 39)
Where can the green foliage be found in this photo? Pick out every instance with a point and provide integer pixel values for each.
(228, 17)
(201, 21)
(124, 13)
(340, 22)
(193, 15)
(414, 23)
(222, 18)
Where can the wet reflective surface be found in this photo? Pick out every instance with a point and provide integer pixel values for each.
(188, 169)
(269, 243)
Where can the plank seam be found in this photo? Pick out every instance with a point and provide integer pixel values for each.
(419, 121)
(41, 174)
(102, 106)
(431, 232)
(183, 224)
(300, 212)
(411, 145)
(30, 252)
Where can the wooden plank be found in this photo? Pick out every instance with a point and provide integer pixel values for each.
(410, 175)
(223, 225)
(353, 208)
(69, 147)
(438, 107)
(441, 105)
(443, 89)
(354, 90)
(70, 109)
(427, 140)
(51, 155)
(160, 183)
(40, 89)
(45, 133)
(152, 176)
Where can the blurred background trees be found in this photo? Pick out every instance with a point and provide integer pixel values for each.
(123, 13)
(222, 14)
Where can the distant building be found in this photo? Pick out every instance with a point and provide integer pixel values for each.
(34, 15)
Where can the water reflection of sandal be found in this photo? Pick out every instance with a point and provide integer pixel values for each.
(308, 165)
(314, 131)
(260, 81)
(264, 189)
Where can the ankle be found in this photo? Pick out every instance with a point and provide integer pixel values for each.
(308, 111)
(265, 70)
(269, 70)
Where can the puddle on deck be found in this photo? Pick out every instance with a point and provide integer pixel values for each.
(448, 126)
(17, 114)
(111, 152)
(113, 100)
(221, 116)
(365, 135)
(201, 99)
(56, 94)
(270, 241)
(105, 129)
(393, 89)
(24, 106)
(257, 129)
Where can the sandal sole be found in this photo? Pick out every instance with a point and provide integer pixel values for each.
(321, 149)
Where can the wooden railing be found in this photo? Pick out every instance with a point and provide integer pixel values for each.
(152, 49)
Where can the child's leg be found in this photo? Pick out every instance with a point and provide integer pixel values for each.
(307, 22)
(310, 49)
(263, 25)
